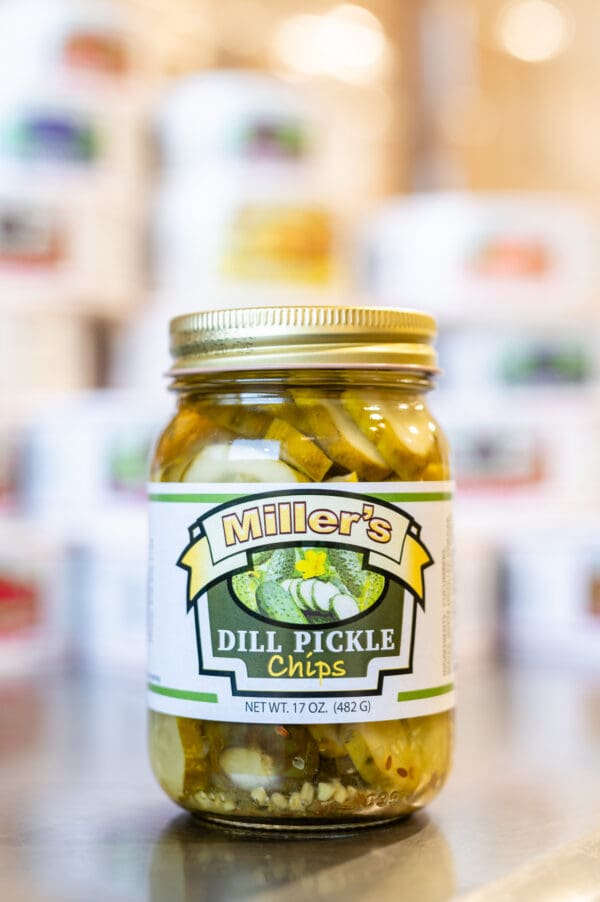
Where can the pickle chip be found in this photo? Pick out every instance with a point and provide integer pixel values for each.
(244, 420)
(382, 753)
(341, 438)
(403, 436)
(407, 754)
(184, 437)
(436, 472)
(195, 751)
(217, 464)
(298, 450)
(166, 753)
(295, 448)
(328, 739)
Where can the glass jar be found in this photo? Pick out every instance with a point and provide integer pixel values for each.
(300, 604)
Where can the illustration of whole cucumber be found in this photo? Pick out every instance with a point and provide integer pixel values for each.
(280, 565)
(348, 565)
(278, 604)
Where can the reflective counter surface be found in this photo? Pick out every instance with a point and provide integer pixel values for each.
(82, 819)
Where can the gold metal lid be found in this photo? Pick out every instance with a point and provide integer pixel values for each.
(272, 338)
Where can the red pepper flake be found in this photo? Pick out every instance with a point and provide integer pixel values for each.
(282, 732)
(388, 762)
(402, 772)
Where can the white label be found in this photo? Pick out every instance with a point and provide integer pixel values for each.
(296, 604)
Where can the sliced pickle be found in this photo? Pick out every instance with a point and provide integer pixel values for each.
(382, 753)
(339, 436)
(244, 420)
(328, 740)
(436, 472)
(166, 753)
(432, 737)
(184, 437)
(289, 412)
(298, 450)
(295, 448)
(195, 748)
(403, 435)
(406, 754)
(216, 464)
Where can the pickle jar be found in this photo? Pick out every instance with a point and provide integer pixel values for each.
(300, 601)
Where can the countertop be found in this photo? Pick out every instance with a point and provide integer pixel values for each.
(82, 819)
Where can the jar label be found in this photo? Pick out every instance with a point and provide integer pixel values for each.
(300, 604)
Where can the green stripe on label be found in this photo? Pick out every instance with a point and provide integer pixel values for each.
(425, 693)
(180, 693)
(382, 496)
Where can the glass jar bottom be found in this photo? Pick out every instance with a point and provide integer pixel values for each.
(314, 826)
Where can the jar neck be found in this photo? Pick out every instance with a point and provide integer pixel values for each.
(412, 381)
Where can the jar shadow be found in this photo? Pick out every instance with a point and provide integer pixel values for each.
(192, 860)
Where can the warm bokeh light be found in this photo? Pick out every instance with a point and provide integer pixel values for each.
(533, 30)
(347, 43)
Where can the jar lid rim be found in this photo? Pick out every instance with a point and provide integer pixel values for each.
(302, 336)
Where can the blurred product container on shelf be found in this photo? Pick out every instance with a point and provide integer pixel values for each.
(87, 456)
(72, 159)
(234, 236)
(107, 593)
(480, 258)
(33, 589)
(233, 117)
(139, 353)
(552, 595)
(43, 350)
(242, 214)
(82, 478)
(477, 578)
(525, 449)
(511, 358)
(69, 42)
(74, 251)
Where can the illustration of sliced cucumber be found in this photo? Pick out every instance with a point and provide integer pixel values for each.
(294, 591)
(341, 438)
(305, 592)
(344, 606)
(217, 464)
(403, 437)
(322, 594)
(298, 450)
